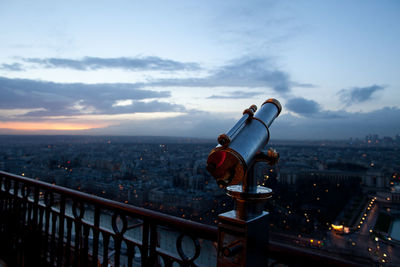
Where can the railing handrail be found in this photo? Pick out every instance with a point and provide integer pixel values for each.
(186, 226)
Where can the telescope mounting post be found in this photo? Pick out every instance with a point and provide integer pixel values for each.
(243, 232)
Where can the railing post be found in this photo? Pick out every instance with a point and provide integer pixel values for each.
(242, 242)
(243, 233)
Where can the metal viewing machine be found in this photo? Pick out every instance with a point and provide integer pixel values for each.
(243, 232)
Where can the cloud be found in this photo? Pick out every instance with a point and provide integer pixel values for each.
(304, 85)
(12, 67)
(359, 94)
(62, 99)
(253, 72)
(246, 72)
(133, 64)
(191, 124)
(135, 107)
(310, 108)
(32, 101)
(303, 106)
(69, 99)
(236, 95)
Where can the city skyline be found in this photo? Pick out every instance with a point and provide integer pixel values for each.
(190, 68)
(338, 198)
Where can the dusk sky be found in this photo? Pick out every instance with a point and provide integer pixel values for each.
(189, 68)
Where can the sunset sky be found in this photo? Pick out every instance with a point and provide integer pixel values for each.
(189, 68)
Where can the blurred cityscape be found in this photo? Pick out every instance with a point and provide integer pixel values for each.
(336, 196)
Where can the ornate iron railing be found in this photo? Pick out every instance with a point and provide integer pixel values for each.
(47, 225)
(56, 226)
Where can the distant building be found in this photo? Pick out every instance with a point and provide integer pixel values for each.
(332, 176)
(368, 179)
(375, 180)
(395, 191)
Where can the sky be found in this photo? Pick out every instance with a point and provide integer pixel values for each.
(189, 68)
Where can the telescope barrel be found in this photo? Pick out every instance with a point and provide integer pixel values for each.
(228, 162)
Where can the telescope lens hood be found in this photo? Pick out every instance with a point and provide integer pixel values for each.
(276, 103)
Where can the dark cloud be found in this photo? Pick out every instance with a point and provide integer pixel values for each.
(304, 85)
(12, 67)
(246, 72)
(303, 106)
(77, 98)
(359, 94)
(310, 108)
(95, 63)
(253, 72)
(236, 95)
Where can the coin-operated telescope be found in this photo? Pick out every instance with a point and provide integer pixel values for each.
(231, 159)
(243, 234)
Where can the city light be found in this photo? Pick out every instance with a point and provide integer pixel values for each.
(337, 227)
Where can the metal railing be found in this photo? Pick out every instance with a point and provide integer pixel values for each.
(48, 225)
(56, 226)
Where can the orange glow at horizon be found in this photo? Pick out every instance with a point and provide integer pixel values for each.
(57, 126)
